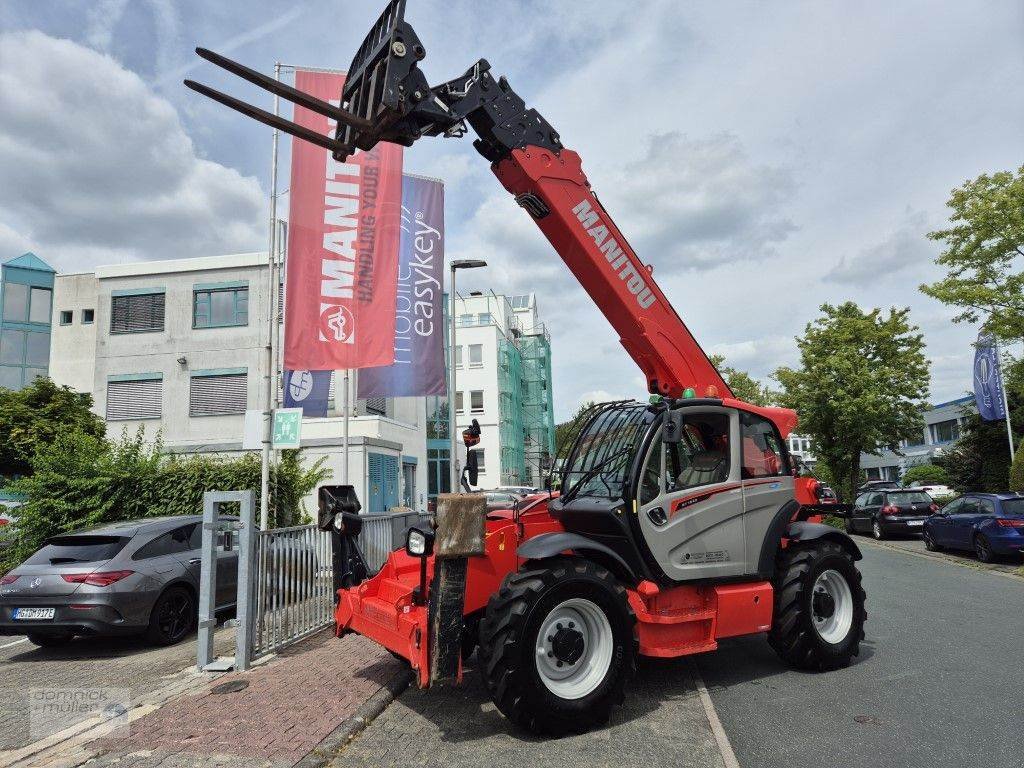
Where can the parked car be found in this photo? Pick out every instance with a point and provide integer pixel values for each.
(989, 524)
(937, 492)
(827, 496)
(878, 485)
(501, 499)
(890, 511)
(139, 576)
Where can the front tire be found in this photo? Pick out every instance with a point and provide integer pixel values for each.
(173, 616)
(557, 646)
(819, 607)
(930, 543)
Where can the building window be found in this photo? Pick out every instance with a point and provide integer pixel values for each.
(10, 377)
(476, 401)
(377, 405)
(218, 393)
(137, 396)
(480, 465)
(458, 356)
(476, 355)
(945, 431)
(220, 307)
(67, 316)
(484, 318)
(88, 316)
(12, 347)
(40, 305)
(458, 402)
(465, 319)
(137, 312)
(520, 302)
(25, 356)
(15, 302)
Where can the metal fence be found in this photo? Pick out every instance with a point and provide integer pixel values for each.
(385, 532)
(293, 591)
(294, 575)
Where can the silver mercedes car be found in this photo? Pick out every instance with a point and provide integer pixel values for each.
(139, 576)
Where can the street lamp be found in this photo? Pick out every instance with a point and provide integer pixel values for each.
(454, 463)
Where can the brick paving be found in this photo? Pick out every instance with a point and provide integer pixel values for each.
(289, 706)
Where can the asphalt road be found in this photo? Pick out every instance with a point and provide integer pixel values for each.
(939, 682)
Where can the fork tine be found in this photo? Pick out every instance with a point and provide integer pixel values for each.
(285, 91)
(267, 118)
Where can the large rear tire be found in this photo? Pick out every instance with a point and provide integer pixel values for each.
(557, 646)
(819, 607)
(173, 617)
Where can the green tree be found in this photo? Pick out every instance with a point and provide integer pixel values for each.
(744, 386)
(1017, 470)
(81, 480)
(860, 388)
(567, 430)
(926, 474)
(984, 245)
(34, 416)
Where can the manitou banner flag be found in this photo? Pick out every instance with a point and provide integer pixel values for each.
(343, 233)
(308, 390)
(988, 379)
(419, 317)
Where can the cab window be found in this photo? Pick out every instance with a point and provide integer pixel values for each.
(763, 453)
(700, 458)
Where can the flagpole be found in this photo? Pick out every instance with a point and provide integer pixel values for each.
(1006, 405)
(271, 255)
(344, 438)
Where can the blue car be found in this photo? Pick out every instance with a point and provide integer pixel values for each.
(989, 524)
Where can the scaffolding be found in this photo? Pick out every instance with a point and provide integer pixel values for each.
(538, 416)
(510, 412)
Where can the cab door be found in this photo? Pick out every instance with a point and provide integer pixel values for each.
(690, 500)
(768, 483)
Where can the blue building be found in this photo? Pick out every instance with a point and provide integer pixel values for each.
(26, 310)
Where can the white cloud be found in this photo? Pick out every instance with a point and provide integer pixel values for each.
(101, 21)
(905, 248)
(98, 168)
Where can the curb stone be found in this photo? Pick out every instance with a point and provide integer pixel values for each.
(352, 726)
(1018, 576)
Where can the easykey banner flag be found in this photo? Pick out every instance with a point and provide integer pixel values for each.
(343, 233)
(419, 317)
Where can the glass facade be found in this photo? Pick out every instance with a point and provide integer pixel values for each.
(26, 308)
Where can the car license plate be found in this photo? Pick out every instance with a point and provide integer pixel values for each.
(33, 614)
(915, 522)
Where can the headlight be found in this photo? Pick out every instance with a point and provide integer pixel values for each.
(419, 542)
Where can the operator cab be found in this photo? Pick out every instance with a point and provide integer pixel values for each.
(700, 490)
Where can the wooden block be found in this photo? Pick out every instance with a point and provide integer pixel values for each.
(460, 520)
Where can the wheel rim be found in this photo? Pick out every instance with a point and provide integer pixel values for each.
(876, 529)
(832, 606)
(574, 648)
(981, 547)
(175, 615)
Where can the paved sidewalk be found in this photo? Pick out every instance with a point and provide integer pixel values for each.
(662, 723)
(285, 709)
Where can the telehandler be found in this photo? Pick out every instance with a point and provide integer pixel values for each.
(679, 522)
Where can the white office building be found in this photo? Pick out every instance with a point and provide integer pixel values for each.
(503, 380)
(179, 348)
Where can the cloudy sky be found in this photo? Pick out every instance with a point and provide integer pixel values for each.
(764, 157)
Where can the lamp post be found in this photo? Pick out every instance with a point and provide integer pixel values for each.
(454, 461)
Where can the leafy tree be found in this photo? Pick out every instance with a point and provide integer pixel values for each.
(566, 431)
(926, 474)
(1017, 470)
(861, 386)
(34, 416)
(81, 480)
(743, 385)
(984, 246)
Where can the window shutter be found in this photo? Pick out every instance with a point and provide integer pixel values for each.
(133, 314)
(135, 399)
(218, 395)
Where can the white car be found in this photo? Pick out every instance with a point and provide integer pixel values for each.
(932, 490)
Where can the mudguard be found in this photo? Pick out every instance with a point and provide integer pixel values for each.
(551, 544)
(802, 531)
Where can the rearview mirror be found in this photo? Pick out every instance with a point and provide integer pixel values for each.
(672, 432)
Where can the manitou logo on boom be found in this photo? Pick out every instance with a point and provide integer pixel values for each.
(612, 251)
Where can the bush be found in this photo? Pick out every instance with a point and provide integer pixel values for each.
(81, 480)
(1017, 470)
(926, 474)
